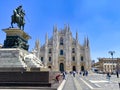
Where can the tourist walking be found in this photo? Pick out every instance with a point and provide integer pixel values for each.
(58, 77)
(108, 76)
(64, 75)
(83, 73)
(74, 73)
(80, 73)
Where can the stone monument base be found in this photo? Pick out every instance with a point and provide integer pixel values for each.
(12, 59)
(40, 79)
(15, 70)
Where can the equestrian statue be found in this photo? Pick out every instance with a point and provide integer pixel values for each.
(18, 17)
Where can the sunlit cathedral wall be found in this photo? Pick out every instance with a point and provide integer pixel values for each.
(63, 52)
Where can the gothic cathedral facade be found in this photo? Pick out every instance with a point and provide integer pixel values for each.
(63, 52)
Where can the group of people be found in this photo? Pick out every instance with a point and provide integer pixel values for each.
(109, 75)
(63, 74)
(84, 73)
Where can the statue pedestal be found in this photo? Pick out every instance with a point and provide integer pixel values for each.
(12, 59)
(16, 38)
(14, 70)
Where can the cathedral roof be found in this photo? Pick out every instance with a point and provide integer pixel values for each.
(65, 33)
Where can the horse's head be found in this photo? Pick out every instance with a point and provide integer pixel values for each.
(14, 12)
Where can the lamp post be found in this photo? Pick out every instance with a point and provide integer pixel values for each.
(112, 53)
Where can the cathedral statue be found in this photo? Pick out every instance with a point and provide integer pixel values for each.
(18, 17)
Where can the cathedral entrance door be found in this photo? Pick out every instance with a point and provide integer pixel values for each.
(74, 68)
(61, 67)
(82, 68)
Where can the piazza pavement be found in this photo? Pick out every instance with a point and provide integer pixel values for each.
(93, 81)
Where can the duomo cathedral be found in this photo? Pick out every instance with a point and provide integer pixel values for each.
(63, 52)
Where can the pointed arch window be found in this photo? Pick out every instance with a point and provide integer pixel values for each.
(73, 58)
(82, 58)
(61, 41)
(61, 52)
(73, 50)
(49, 59)
(50, 51)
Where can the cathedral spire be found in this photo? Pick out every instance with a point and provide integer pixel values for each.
(65, 27)
(86, 41)
(37, 44)
(37, 48)
(55, 28)
(68, 27)
(76, 36)
(46, 39)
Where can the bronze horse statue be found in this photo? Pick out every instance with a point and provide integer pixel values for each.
(18, 18)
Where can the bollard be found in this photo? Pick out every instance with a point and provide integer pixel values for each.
(119, 85)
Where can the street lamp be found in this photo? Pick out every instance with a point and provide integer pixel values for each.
(112, 53)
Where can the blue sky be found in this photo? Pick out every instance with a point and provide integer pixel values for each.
(97, 19)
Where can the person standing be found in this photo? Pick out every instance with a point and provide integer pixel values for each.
(108, 76)
(80, 73)
(86, 73)
(117, 73)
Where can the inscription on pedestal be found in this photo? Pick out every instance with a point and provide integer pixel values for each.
(8, 54)
(9, 58)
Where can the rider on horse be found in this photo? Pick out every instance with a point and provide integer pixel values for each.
(18, 17)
